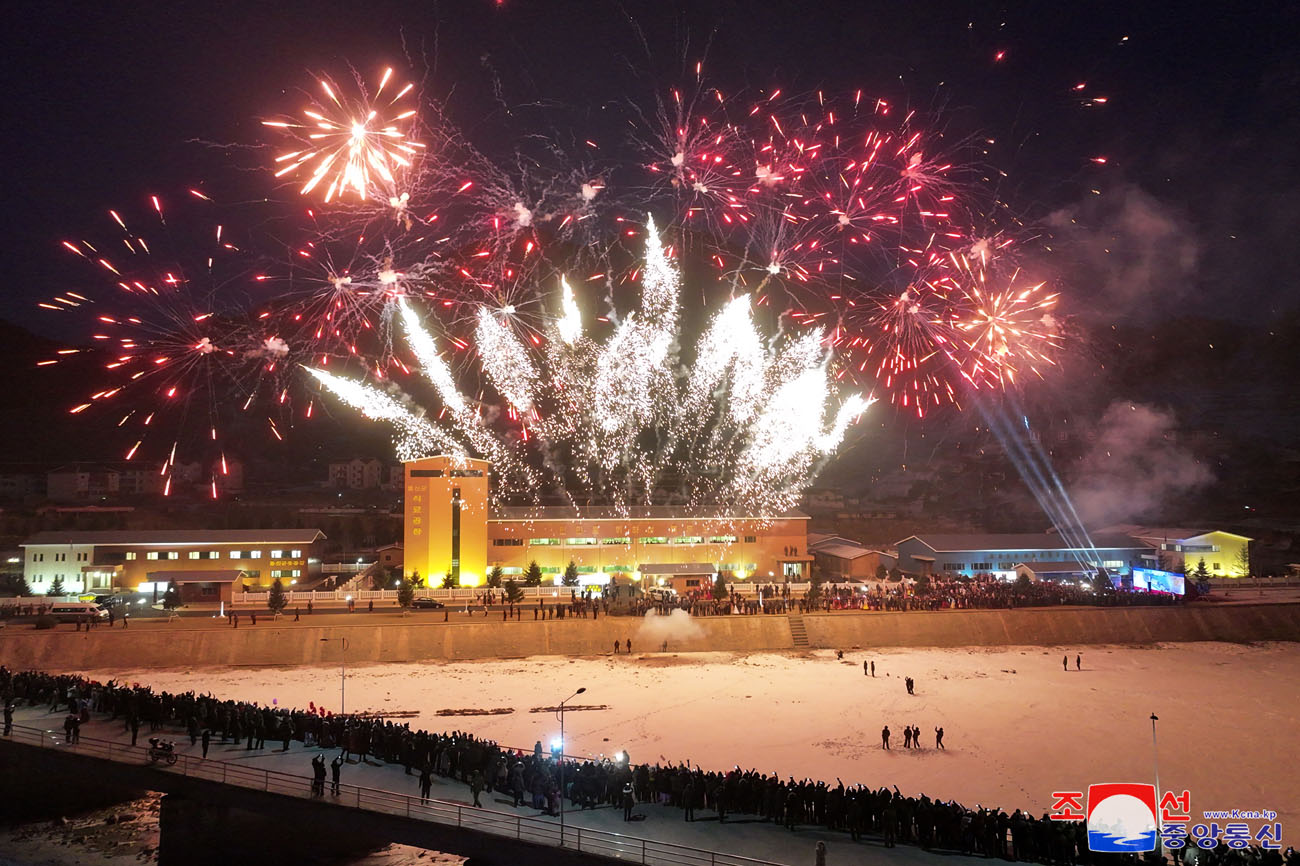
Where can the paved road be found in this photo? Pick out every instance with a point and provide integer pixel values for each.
(745, 836)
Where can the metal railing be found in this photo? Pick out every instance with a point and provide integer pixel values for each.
(648, 852)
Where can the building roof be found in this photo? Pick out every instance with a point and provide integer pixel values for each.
(1165, 533)
(161, 537)
(632, 512)
(840, 549)
(222, 576)
(1063, 567)
(677, 568)
(1019, 541)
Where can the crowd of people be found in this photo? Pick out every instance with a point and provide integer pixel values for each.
(534, 778)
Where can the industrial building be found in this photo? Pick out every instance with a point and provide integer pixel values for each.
(214, 562)
(999, 554)
(450, 528)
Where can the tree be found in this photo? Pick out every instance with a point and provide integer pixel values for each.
(449, 580)
(814, 587)
(56, 586)
(720, 590)
(494, 577)
(276, 600)
(570, 574)
(895, 574)
(514, 593)
(1023, 582)
(17, 584)
(172, 597)
(1101, 582)
(1242, 561)
(882, 573)
(1202, 573)
(405, 594)
(922, 584)
(416, 580)
(533, 576)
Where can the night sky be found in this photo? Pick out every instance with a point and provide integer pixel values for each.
(1194, 213)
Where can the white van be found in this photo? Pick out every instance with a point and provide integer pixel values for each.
(77, 611)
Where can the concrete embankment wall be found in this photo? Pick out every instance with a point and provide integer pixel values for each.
(265, 645)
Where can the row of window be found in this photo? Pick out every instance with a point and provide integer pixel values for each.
(623, 542)
(215, 554)
(60, 557)
(286, 572)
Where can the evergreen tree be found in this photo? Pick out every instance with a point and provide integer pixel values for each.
(172, 597)
(56, 586)
(533, 576)
(405, 594)
(814, 587)
(17, 584)
(922, 584)
(720, 590)
(570, 574)
(514, 593)
(449, 580)
(1242, 561)
(276, 600)
(882, 573)
(494, 577)
(1202, 573)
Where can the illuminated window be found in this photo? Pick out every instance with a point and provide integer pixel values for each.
(722, 539)
(277, 554)
(212, 554)
(194, 554)
(236, 554)
(513, 569)
(981, 566)
(254, 554)
(543, 541)
(1113, 563)
(130, 555)
(550, 569)
(582, 542)
(618, 568)
(153, 554)
(296, 554)
(297, 572)
(586, 569)
(656, 539)
(173, 554)
(616, 541)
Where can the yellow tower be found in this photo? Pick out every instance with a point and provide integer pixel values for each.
(446, 511)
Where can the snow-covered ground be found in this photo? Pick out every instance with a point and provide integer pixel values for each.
(1017, 727)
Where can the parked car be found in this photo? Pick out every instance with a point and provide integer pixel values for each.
(427, 604)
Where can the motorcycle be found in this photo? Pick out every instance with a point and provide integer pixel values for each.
(161, 750)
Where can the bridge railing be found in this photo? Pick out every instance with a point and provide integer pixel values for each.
(631, 849)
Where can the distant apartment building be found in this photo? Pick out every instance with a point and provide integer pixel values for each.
(356, 474)
(87, 482)
(213, 562)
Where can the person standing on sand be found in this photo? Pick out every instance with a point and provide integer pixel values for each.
(884, 737)
(821, 854)
(1078, 662)
(938, 739)
(1065, 663)
(864, 668)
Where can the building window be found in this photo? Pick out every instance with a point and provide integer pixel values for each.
(655, 539)
(722, 539)
(296, 572)
(981, 566)
(1006, 566)
(194, 554)
(618, 568)
(543, 541)
(130, 555)
(153, 554)
(295, 553)
(236, 554)
(954, 566)
(466, 473)
(254, 554)
(426, 473)
(512, 569)
(1113, 563)
(580, 542)
(507, 542)
(212, 554)
(586, 569)
(1217, 567)
(689, 539)
(550, 569)
(751, 539)
(277, 554)
(612, 541)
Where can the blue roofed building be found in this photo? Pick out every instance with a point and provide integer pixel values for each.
(999, 554)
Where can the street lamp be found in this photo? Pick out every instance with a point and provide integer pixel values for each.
(343, 672)
(561, 714)
(1155, 756)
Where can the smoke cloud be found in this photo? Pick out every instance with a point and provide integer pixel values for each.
(1136, 467)
(676, 628)
(1126, 250)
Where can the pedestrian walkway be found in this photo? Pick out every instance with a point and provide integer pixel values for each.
(743, 836)
(798, 632)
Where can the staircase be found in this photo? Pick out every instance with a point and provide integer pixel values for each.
(798, 632)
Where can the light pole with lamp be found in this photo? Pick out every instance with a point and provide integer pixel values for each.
(343, 672)
(561, 759)
(1155, 756)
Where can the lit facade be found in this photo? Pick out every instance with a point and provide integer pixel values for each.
(448, 523)
(1181, 550)
(134, 560)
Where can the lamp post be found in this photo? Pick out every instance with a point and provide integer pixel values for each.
(561, 759)
(343, 672)
(1155, 756)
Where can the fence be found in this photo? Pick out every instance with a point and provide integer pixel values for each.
(470, 594)
(534, 830)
